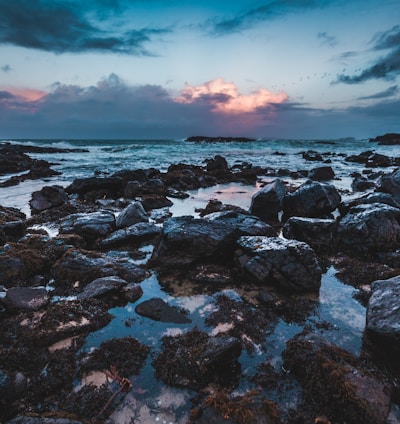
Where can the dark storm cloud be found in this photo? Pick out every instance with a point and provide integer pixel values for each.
(267, 11)
(5, 95)
(390, 92)
(386, 67)
(64, 26)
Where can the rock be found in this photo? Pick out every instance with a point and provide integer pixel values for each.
(215, 205)
(131, 215)
(361, 183)
(321, 173)
(48, 197)
(194, 359)
(89, 225)
(26, 298)
(371, 227)
(319, 234)
(135, 234)
(389, 139)
(78, 268)
(390, 184)
(267, 203)
(243, 223)
(155, 202)
(186, 240)
(95, 187)
(11, 386)
(383, 312)
(158, 310)
(334, 380)
(371, 159)
(101, 286)
(376, 197)
(312, 199)
(218, 163)
(11, 231)
(32, 420)
(132, 292)
(312, 155)
(290, 265)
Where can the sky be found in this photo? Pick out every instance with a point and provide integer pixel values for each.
(158, 69)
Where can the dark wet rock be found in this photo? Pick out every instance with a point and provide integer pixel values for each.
(96, 187)
(218, 163)
(102, 286)
(195, 359)
(312, 155)
(319, 234)
(12, 385)
(267, 203)
(361, 183)
(76, 268)
(312, 199)
(33, 255)
(335, 382)
(12, 224)
(155, 201)
(158, 310)
(211, 275)
(89, 225)
(376, 197)
(215, 205)
(132, 292)
(135, 234)
(321, 173)
(370, 227)
(371, 159)
(389, 139)
(131, 215)
(186, 240)
(243, 223)
(383, 312)
(126, 354)
(290, 265)
(183, 177)
(26, 298)
(390, 184)
(48, 197)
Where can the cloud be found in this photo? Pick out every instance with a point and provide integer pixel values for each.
(386, 67)
(327, 39)
(225, 98)
(6, 68)
(390, 92)
(113, 109)
(64, 26)
(267, 11)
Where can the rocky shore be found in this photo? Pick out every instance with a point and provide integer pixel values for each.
(114, 232)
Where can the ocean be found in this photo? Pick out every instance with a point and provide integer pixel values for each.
(336, 310)
(105, 157)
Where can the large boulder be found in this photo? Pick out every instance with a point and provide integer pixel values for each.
(267, 203)
(48, 197)
(131, 215)
(12, 224)
(391, 184)
(371, 227)
(95, 187)
(383, 312)
(194, 359)
(312, 199)
(376, 197)
(102, 286)
(335, 382)
(159, 310)
(321, 173)
(290, 265)
(89, 225)
(26, 298)
(318, 233)
(135, 234)
(186, 240)
(243, 223)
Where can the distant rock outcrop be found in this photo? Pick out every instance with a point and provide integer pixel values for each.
(388, 139)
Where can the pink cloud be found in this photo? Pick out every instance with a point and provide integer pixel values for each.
(225, 98)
